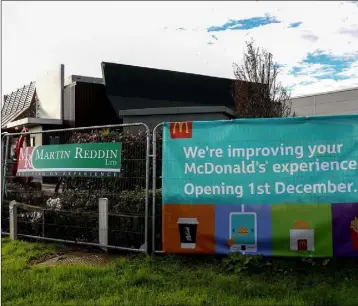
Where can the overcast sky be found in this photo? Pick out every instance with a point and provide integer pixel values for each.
(315, 42)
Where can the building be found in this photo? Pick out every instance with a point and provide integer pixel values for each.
(53, 102)
(329, 103)
(125, 94)
(128, 94)
(152, 96)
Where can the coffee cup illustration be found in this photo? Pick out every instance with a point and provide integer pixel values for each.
(354, 233)
(188, 228)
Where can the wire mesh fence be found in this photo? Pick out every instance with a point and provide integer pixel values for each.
(5, 225)
(66, 207)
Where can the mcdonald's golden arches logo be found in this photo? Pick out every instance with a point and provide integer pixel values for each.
(181, 129)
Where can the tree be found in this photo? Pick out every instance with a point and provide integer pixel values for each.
(256, 91)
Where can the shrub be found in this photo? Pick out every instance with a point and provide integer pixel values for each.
(75, 215)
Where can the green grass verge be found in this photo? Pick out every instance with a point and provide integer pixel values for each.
(165, 280)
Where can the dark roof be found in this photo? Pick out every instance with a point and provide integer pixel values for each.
(132, 87)
(16, 103)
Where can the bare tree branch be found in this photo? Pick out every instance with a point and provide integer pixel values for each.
(256, 91)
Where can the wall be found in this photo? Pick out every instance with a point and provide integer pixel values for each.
(69, 100)
(38, 137)
(132, 87)
(92, 106)
(331, 103)
(86, 104)
(49, 91)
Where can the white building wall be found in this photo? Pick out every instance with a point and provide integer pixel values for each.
(49, 91)
(330, 103)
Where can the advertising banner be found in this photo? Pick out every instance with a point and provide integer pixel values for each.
(86, 160)
(277, 187)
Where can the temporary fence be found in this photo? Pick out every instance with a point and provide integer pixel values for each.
(77, 200)
(277, 187)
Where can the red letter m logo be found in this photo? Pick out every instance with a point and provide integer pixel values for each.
(181, 130)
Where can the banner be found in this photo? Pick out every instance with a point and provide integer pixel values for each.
(277, 187)
(86, 159)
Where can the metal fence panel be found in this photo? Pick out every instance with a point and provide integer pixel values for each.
(66, 208)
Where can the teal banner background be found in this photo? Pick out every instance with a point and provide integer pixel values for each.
(277, 187)
(317, 140)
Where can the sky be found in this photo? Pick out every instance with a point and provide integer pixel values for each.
(315, 43)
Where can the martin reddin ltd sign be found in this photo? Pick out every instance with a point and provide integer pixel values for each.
(88, 159)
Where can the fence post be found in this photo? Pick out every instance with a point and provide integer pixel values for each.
(103, 221)
(147, 178)
(13, 220)
(4, 157)
(154, 184)
(43, 223)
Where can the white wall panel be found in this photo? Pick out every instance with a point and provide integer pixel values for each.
(49, 90)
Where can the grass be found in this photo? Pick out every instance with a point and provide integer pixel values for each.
(166, 280)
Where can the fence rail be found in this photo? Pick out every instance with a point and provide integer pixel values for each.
(15, 215)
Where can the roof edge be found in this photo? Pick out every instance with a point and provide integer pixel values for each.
(177, 110)
(103, 64)
(326, 92)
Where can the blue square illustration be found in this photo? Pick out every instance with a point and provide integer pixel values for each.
(243, 228)
(231, 223)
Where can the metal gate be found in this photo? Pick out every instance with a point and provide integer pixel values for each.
(80, 209)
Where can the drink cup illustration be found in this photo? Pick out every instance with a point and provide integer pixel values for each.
(354, 233)
(188, 229)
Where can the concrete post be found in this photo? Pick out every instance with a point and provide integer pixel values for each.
(13, 220)
(103, 221)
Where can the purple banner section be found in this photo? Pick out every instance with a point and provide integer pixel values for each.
(345, 235)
